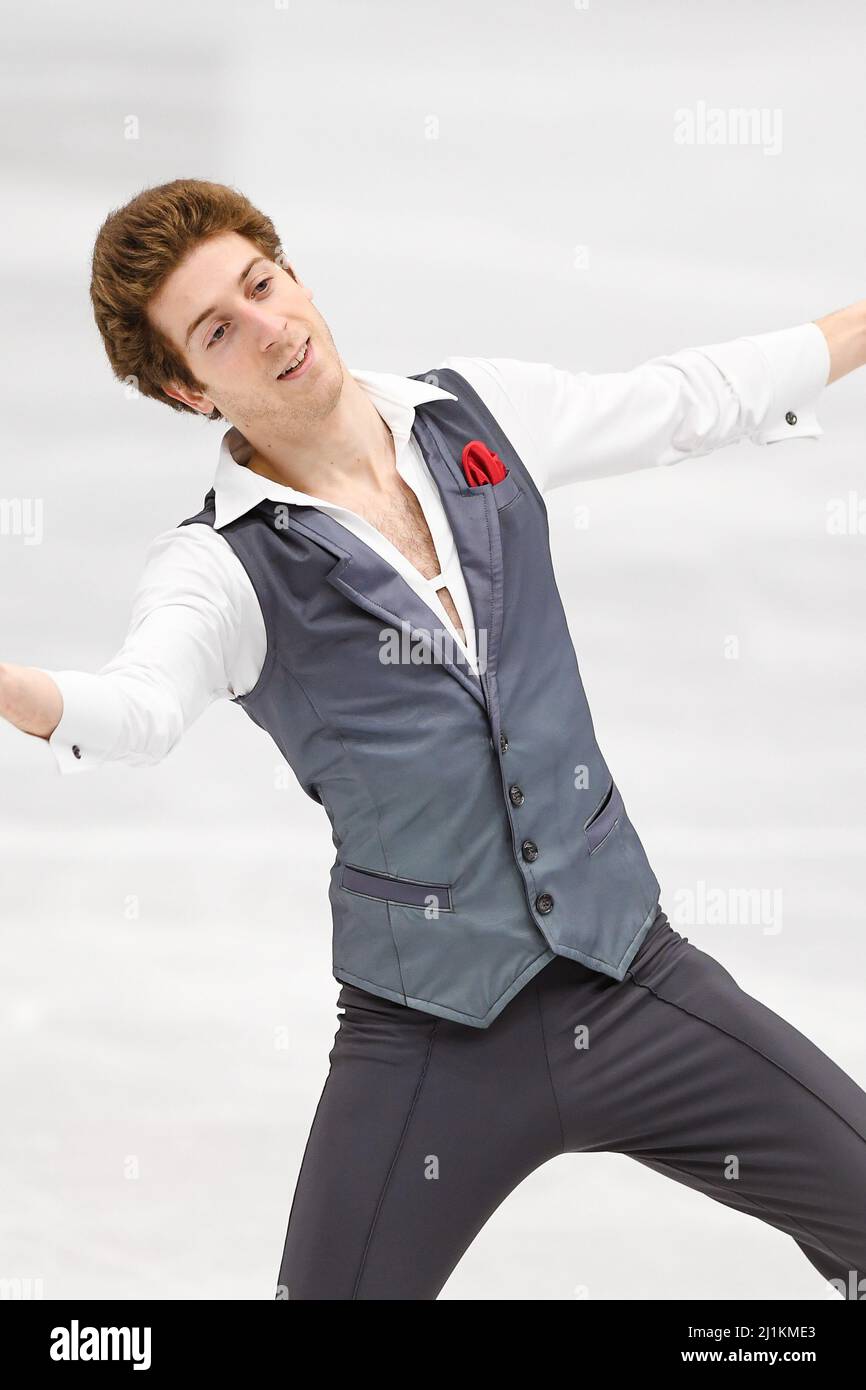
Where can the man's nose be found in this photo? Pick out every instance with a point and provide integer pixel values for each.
(268, 326)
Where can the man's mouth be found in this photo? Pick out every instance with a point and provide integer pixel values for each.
(298, 363)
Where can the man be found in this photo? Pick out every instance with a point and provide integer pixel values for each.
(370, 578)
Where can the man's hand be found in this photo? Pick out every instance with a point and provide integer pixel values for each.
(30, 700)
(845, 331)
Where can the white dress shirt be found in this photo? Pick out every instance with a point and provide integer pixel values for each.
(196, 631)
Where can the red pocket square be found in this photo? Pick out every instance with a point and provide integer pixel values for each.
(481, 465)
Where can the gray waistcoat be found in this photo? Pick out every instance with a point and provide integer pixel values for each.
(478, 830)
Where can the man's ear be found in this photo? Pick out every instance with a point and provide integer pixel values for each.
(194, 399)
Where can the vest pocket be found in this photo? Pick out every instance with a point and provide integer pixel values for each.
(604, 818)
(409, 892)
(505, 490)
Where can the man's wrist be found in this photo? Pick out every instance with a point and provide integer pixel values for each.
(30, 699)
(845, 331)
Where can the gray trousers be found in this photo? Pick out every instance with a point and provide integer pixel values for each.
(424, 1126)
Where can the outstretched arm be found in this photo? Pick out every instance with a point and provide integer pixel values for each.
(571, 426)
(194, 636)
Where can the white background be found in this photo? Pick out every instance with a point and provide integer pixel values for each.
(192, 1041)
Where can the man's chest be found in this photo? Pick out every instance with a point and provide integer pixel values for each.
(400, 519)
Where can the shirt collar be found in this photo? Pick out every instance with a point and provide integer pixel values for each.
(237, 489)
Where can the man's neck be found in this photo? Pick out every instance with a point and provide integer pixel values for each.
(348, 453)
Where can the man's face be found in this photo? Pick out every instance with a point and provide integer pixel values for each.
(238, 319)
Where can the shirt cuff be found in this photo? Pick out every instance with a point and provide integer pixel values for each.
(779, 377)
(90, 724)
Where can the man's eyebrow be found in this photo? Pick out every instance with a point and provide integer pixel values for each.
(213, 308)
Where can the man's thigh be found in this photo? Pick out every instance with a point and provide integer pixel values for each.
(422, 1129)
(687, 1073)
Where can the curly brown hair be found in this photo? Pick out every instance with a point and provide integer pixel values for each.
(137, 248)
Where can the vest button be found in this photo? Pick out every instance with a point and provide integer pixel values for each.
(517, 797)
(529, 850)
(544, 902)
(503, 743)
(76, 750)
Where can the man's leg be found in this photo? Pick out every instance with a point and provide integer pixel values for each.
(422, 1129)
(691, 1076)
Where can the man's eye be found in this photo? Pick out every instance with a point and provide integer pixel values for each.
(222, 326)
